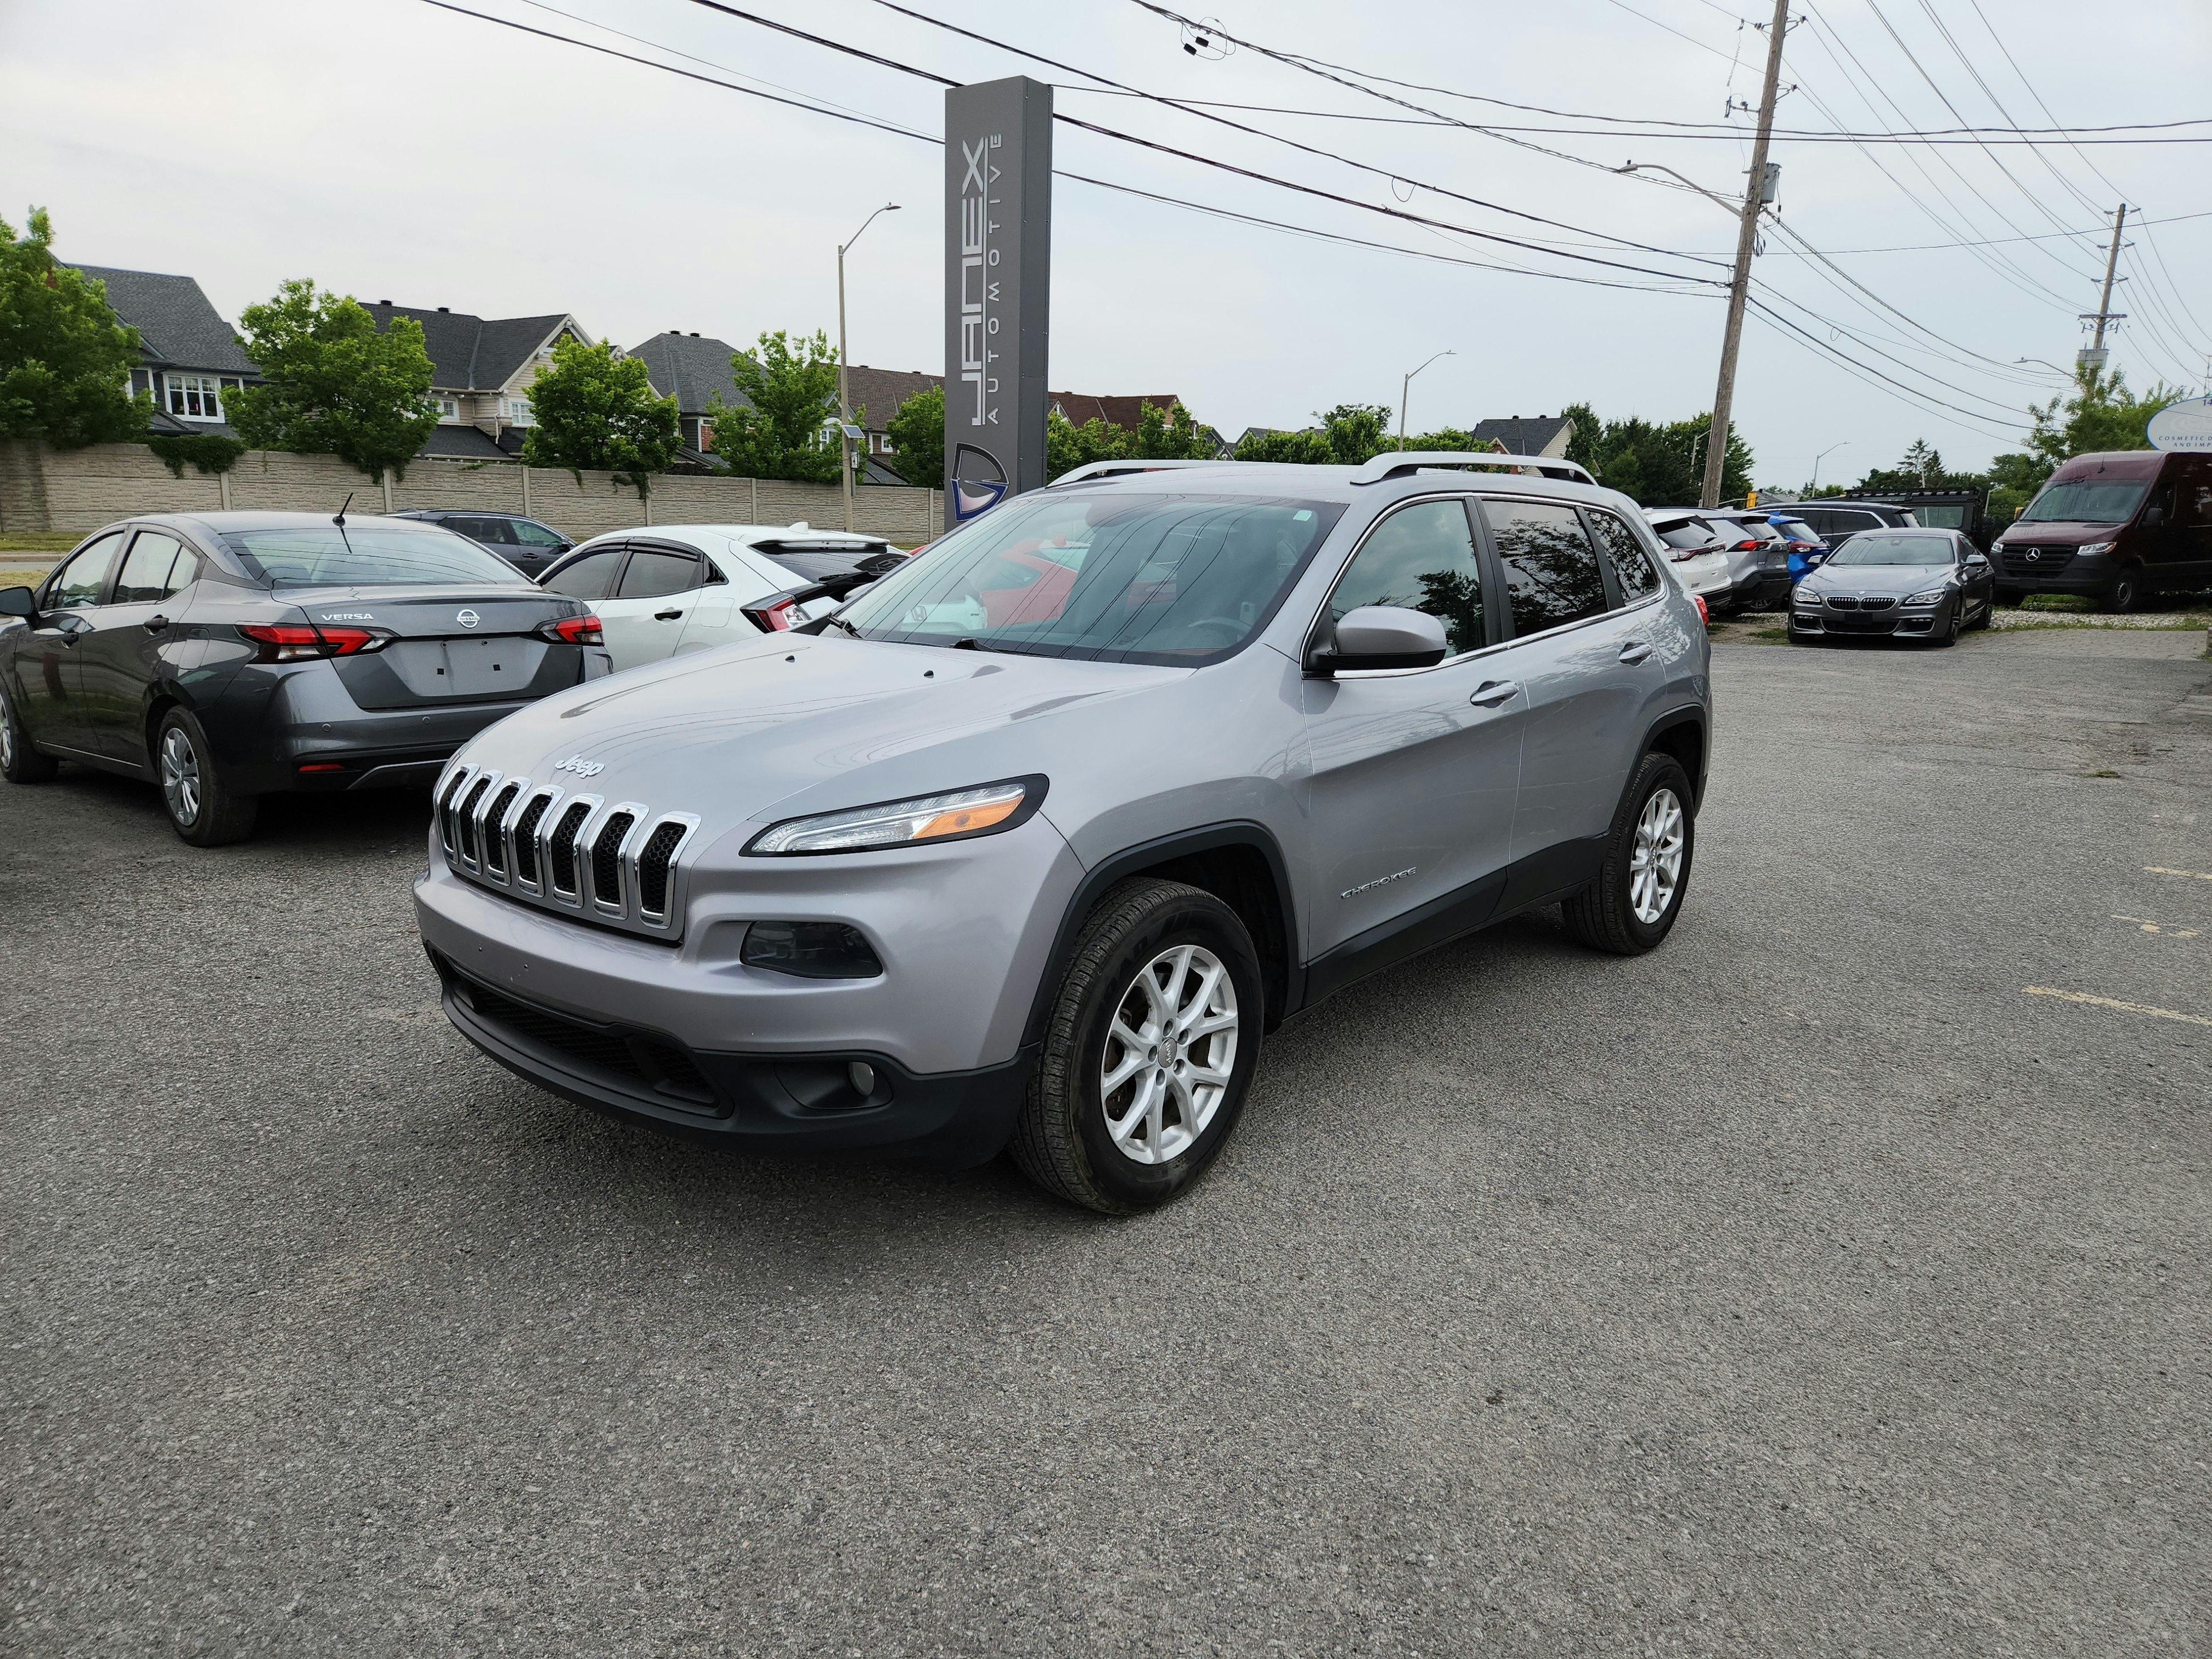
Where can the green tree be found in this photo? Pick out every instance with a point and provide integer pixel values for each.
(916, 430)
(1160, 435)
(333, 384)
(2101, 414)
(783, 430)
(1349, 434)
(66, 363)
(1653, 464)
(592, 408)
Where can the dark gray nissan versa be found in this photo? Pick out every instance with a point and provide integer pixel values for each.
(1033, 840)
(231, 655)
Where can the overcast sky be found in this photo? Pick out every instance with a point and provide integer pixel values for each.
(394, 150)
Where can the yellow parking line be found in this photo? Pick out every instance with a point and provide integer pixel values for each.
(2149, 926)
(2113, 1002)
(2161, 870)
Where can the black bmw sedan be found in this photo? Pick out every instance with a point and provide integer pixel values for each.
(227, 656)
(1909, 584)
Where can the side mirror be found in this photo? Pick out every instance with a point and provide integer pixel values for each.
(1380, 636)
(2154, 517)
(1973, 559)
(19, 602)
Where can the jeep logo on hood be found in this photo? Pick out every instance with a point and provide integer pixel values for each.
(580, 767)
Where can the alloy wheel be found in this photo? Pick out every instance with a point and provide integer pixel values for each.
(1170, 1050)
(1655, 864)
(7, 735)
(180, 775)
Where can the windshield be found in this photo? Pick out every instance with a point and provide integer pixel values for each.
(1166, 578)
(2088, 500)
(1757, 528)
(1887, 547)
(1797, 530)
(366, 556)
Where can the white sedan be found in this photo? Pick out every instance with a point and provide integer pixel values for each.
(668, 589)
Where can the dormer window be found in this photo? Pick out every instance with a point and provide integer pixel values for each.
(194, 397)
(449, 408)
(518, 412)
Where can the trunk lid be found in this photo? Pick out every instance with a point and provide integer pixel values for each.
(456, 644)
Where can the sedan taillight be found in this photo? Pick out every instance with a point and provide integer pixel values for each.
(574, 631)
(296, 642)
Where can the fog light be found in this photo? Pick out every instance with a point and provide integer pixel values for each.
(862, 1076)
(809, 950)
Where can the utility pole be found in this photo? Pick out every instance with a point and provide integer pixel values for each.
(844, 393)
(2104, 313)
(1754, 191)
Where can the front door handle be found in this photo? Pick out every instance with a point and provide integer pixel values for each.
(1490, 692)
(666, 616)
(1634, 650)
(157, 622)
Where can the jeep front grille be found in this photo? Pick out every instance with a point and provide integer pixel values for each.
(619, 862)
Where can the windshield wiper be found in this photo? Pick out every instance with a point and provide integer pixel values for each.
(839, 622)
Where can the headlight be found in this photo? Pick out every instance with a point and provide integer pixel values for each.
(1933, 596)
(984, 811)
(1807, 598)
(2090, 549)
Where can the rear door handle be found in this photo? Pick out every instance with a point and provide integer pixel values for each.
(1634, 650)
(666, 616)
(157, 622)
(1490, 692)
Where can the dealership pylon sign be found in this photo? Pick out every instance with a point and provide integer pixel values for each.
(998, 289)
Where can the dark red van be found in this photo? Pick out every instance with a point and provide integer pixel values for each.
(2117, 526)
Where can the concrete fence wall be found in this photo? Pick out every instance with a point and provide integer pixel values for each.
(76, 491)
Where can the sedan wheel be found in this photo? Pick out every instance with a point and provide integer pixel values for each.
(20, 759)
(180, 777)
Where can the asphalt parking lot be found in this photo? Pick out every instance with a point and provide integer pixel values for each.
(1810, 1286)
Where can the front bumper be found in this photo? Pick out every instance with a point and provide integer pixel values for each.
(1920, 622)
(2088, 574)
(783, 1101)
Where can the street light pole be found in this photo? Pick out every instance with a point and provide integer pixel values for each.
(1821, 457)
(1405, 389)
(1739, 288)
(844, 385)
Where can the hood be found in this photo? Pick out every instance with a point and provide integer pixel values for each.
(792, 723)
(1895, 580)
(2059, 532)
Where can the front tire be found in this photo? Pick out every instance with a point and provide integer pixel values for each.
(1953, 628)
(20, 760)
(1149, 1050)
(2125, 595)
(201, 806)
(1632, 905)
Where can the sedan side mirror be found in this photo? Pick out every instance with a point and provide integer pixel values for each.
(19, 602)
(1379, 636)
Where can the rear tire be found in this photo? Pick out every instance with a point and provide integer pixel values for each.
(1632, 905)
(20, 759)
(202, 808)
(1162, 1000)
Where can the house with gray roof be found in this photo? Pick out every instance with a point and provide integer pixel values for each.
(189, 355)
(694, 370)
(480, 370)
(1538, 434)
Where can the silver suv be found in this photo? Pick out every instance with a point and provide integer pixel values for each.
(1031, 844)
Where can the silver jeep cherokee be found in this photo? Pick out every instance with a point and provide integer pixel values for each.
(1030, 844)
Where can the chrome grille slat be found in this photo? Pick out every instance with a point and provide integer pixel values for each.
(620, 862)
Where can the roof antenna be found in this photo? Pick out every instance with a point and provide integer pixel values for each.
(340, 521)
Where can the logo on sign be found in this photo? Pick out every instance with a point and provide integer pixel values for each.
(468, 619)
(580, 767)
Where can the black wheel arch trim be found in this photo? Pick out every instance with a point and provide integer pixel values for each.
(1204, 838)
(1693, 714)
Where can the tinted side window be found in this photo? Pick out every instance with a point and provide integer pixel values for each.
(495, 533)
(589, 577)
(655, 571)
(1421, 557)
(146, 568)
(530, 533)
(1550, 568)
(183, 573)
(77, 583)
(1632, 565)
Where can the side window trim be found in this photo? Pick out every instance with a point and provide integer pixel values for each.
(651, 545)
(1484, 563)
